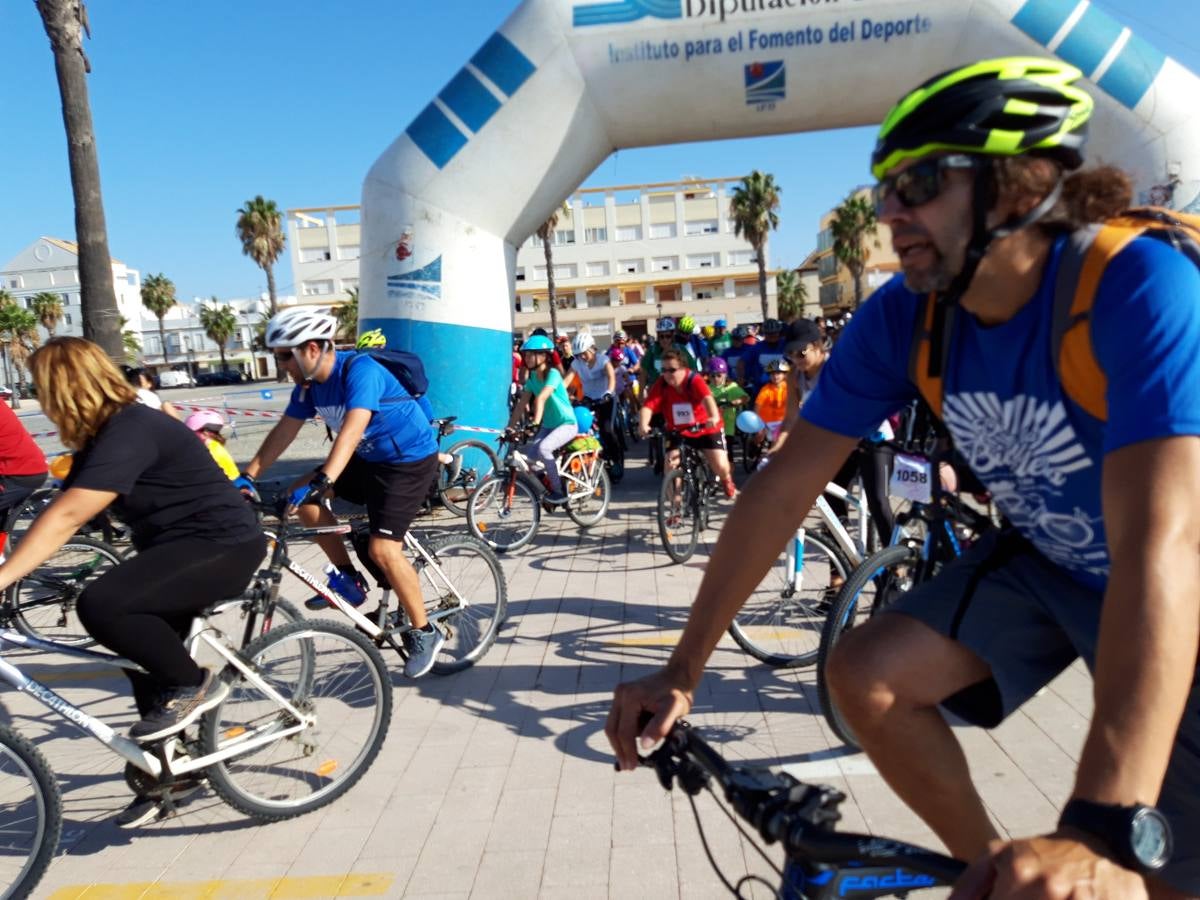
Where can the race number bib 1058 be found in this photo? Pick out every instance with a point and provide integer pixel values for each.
(682, 414)
(912, 478)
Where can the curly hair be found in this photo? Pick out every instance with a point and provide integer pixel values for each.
(78, 387)
(1089, 195)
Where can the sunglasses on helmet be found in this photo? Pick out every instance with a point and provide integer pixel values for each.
(919, 183)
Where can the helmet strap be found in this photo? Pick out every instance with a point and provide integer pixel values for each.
(307, 377)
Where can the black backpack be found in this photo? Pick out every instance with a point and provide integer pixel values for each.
(405, 367)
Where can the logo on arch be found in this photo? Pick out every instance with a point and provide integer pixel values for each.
(765, 82)
(622, 11)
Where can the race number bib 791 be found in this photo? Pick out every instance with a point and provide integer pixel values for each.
(912, 478)
(682, 414)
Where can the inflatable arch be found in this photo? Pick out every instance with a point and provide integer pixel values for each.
(564, 83)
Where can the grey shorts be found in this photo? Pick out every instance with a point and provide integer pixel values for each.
(1028, 620)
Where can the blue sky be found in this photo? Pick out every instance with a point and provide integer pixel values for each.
(200, 106)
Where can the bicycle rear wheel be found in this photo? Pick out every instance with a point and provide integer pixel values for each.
(504, 512)
(780, 623)
(44, 600)
(30, 815)
(678, 520)
(468, 570)
(473, 462)
(587, 508)
(327, 671)
(871, 587)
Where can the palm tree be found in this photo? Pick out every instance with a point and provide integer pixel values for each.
(347, 316)
(158, 296)
(545, 233)
(219, 323)
(753, 209)
(48, 309)
(853, 223)
(18, 338)
(66, 22)
(790, 295)
(131, 341)
(259, 228)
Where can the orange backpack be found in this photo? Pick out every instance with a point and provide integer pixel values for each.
(1084, 260)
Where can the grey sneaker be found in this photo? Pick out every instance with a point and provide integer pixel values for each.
(180, 707)
(143, 810)
(422, 646)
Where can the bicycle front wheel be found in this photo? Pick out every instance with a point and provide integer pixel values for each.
(504, 512)
(45, 599)
(326, 671)
(678, 516)
(465, 596)
(473, 462)
(877, 581)
(780, 622)
(585, 506)
(30, 815)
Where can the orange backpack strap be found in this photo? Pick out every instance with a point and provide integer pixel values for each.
(1081, 266)
(930, 349)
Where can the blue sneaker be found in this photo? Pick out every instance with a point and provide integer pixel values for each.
(354, 592)
(422, 646)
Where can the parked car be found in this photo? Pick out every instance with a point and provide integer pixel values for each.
(174, 378)
(227, 376)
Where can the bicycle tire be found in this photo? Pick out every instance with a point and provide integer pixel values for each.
(504, 525)
(473, 569)
(475, 461)
(780, 623)
(588, 508)
(37, 808)
(679, 528)
(37, 599)
(751, 453)
(852, 607)
(325, 652)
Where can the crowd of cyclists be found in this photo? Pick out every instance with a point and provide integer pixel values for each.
(981, 222)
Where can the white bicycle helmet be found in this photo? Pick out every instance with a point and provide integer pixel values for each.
(583, 342)
(293, 327)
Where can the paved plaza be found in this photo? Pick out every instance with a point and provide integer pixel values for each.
(497, 781)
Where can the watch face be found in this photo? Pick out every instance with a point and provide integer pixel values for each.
(1151, 838)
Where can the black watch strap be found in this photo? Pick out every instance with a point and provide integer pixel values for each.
(1113, 826)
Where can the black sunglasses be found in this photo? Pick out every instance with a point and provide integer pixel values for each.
(919, 183)
(284, 358)
(669, 371)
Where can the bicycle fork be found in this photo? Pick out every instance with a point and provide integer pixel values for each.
(795, 562)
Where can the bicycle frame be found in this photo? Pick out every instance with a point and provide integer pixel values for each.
(127, 749)
(854, 547)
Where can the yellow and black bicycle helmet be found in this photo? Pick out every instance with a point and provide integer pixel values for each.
(371, 340)
(997, 107)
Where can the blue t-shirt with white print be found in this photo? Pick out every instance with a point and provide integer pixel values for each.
(399, 430)
(1039, 454)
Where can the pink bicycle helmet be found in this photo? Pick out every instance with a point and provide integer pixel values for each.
(206, 420)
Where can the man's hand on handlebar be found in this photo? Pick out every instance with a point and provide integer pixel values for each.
(248, 486)
(661, 695)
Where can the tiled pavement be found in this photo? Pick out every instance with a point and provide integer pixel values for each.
(497, 782)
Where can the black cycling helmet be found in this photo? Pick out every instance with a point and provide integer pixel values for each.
(772, 326)
(1011, 106)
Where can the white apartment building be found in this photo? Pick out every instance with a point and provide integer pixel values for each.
(626, 255)
(52, 265)
(189, 348)
(323, 243)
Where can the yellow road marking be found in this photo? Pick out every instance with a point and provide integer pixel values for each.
(353, 885)
(670, 640)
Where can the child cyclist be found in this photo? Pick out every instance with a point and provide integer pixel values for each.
(210, 427)
(771, 404)
(545, 398)
(729, 394)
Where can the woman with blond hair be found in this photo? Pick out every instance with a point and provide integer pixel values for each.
(196, 538)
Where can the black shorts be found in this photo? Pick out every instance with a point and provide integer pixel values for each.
(714, 441)
(391, 492)
(15, 490)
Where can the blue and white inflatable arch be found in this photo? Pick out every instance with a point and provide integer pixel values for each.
(563, 84)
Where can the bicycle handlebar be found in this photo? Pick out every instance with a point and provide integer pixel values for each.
(802, 818)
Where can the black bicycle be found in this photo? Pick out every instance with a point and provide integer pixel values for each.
(822, 863)
(685, 501)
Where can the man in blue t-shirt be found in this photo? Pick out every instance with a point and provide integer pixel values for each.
(1101, 561)
(755, 359)
(384, 456)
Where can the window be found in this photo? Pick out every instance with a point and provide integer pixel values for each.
(349, 284)
(742, 258)
(598, 268)
(662, 230)
(629, 266)
(131, 278)
(707, 292)
(827, 266)
(314, 254)
(15, 282)
(701, 260)
(632, 297)
(665, 263)
(595, 235)
(700, 226)
(566, 270)
(65, 298)
(521, 273)
(349, 251)
(67, 318)
(629, 233)
(316, 288)
(539, 273)
(564, 236)
(666, 294)
(599, 298)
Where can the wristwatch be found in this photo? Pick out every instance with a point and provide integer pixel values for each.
(1138, 837)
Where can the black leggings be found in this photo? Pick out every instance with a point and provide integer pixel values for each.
(143, 609)
(874, 463)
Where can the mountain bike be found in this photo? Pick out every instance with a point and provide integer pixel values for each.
(460, 468)
(933, 531)
(822, 864)
(506, 509)
(685, 501)
(462, 585)
(306, 714)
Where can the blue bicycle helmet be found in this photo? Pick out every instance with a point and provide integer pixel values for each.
(720, 323)
(538, 343)
(749, 422)
(584, 418)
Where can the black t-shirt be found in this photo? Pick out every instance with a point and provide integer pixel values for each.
(168, 484)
